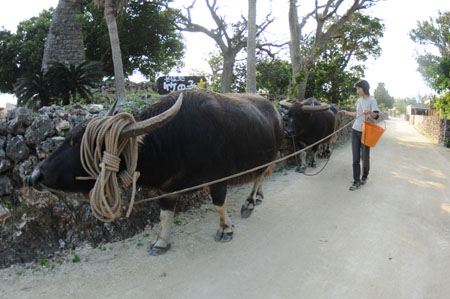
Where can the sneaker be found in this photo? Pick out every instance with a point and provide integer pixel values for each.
(355, 186)
(363, 181)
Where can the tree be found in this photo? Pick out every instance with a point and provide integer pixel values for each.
(384, 99)
(251, 47)
(150, 42)
(434, 34)
(435, 69)
(148, 39)
(273, 75)
(68, 82)
(65, 37)
(111, 8)
(21, 53)
(33, 91)
(332, 76)
(329, 81)
(59, 85)
(328, 21)
(229, 45)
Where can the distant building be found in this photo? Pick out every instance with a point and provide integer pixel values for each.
(417, 109)
(5, 106)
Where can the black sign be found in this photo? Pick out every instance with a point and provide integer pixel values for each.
(168, 84)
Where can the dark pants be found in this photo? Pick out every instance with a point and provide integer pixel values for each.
(360, 152)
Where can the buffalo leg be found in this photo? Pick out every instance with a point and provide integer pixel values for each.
(255, 198)
(166, 216)
(312, 162)
(313, 153)
(302, 167)
(218, 194)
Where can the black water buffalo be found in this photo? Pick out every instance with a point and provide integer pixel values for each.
(211, 136)
(308, 122)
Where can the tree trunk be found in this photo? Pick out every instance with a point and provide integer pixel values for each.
(119, 78)
(251, 47)
(294, 48)
(227, 73)
(65, 37)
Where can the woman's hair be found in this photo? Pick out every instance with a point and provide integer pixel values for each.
(364, 85)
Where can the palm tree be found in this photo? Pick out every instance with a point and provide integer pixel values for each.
(70, 82)
(111, 8)
(33, 92)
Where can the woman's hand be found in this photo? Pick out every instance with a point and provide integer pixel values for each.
(368, 112)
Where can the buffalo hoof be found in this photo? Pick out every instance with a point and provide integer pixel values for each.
(247, 209)
(157, 250)
(300, 169)
(222, 236)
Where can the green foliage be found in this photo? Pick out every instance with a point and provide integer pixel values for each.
(70, 82)
(434, 32)
(33, 91)
(384, 99)
(43, 262)
(239, 79)
(273, 75)
(148, 41)
(21, 53)
(442, 105)
(359, 37)
(435, 69)
(331, 80)
(58, 85)
(332, 75)
(215, 61)
(76, 258)
(147, 38)
(400, 106)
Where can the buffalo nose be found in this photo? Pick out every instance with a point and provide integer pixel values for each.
(34, 178)
(290, 132)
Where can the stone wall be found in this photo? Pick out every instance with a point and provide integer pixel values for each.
(40, 224)
(438, 129)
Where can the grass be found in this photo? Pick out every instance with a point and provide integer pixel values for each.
(76, 258)
(43, 262)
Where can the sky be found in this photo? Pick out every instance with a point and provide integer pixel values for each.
(396, 67)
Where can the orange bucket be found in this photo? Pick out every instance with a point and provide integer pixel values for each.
(371, 133)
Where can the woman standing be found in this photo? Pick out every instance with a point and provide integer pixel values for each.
(366, 105)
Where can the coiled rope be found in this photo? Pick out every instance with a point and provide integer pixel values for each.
(104, 133)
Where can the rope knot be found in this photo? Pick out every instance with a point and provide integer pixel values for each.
(126, 178)
(112, 162)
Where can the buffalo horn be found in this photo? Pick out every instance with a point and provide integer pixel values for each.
(113, 107)
(152, 123)
(285, 104)
(311, 108)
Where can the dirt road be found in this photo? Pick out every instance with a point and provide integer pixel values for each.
(311, 238)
